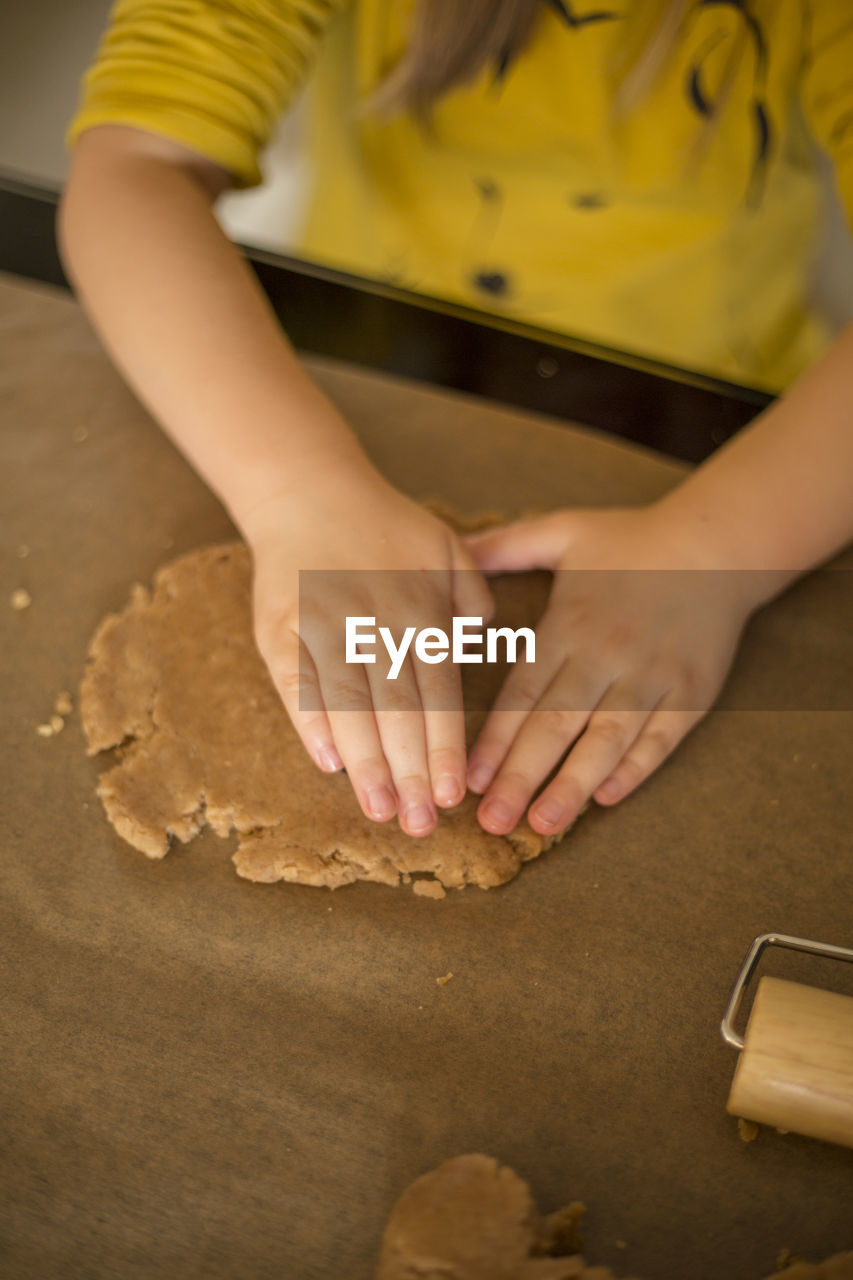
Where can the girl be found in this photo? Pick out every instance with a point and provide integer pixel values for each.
(640, 173)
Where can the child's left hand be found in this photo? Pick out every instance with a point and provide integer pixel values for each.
(630, 654)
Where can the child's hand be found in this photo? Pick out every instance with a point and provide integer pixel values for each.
(401, 758)
(630, 654)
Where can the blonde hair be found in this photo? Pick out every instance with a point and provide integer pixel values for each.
(452, 42)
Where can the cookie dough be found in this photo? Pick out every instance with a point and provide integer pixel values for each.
(175, 683)
(471, 1219)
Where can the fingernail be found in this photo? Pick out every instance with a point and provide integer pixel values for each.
(418, 817)
(550, 813)
(609, 790)
(497, 815)
(448, 790)
(380, 803)
(328, 759)
(479, 776)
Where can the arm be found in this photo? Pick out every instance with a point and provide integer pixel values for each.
(190, 328)
(779, 496)
(185, 320)
(629, 662)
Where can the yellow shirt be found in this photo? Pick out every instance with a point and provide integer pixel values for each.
(529, 197)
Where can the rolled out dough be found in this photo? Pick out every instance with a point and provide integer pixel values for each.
(471, 1219)
(176, 684)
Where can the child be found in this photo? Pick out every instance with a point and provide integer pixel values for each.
(640, 175)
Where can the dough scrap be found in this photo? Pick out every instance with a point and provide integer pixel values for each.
(747, 1130)
(839, 1267)
(428, 889)
(176, 684)
(472, 1219)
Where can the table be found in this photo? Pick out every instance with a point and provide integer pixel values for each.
(203, 1077)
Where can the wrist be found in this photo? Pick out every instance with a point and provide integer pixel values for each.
(319, 478)
(703, 536)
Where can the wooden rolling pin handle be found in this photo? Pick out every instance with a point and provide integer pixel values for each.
(796, 1068)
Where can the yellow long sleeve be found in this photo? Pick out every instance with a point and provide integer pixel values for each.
(212, 75)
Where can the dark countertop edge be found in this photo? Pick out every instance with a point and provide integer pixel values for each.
(678, 413)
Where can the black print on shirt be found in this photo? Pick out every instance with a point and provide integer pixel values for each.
(574, 20)
(702, 103)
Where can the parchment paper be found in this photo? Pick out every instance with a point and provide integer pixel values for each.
(203, 1077)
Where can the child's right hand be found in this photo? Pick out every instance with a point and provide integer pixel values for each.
(204, 351)
(402, 759)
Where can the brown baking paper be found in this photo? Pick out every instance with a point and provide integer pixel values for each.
(209, 1078)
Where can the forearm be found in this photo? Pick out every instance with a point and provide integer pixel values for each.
(185, 320)
(779, 496)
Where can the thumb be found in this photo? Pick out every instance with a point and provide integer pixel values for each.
(526, 544)
(471, 596)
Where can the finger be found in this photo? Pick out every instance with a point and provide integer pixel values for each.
(440, 688)
(541, 742)
(402, 733)
(349, 704)
(525, 544)
(295, 678)
(603, 744)
(661, 734)
(471, 595)
(404, 743)
(347, 697)
(522, 690)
